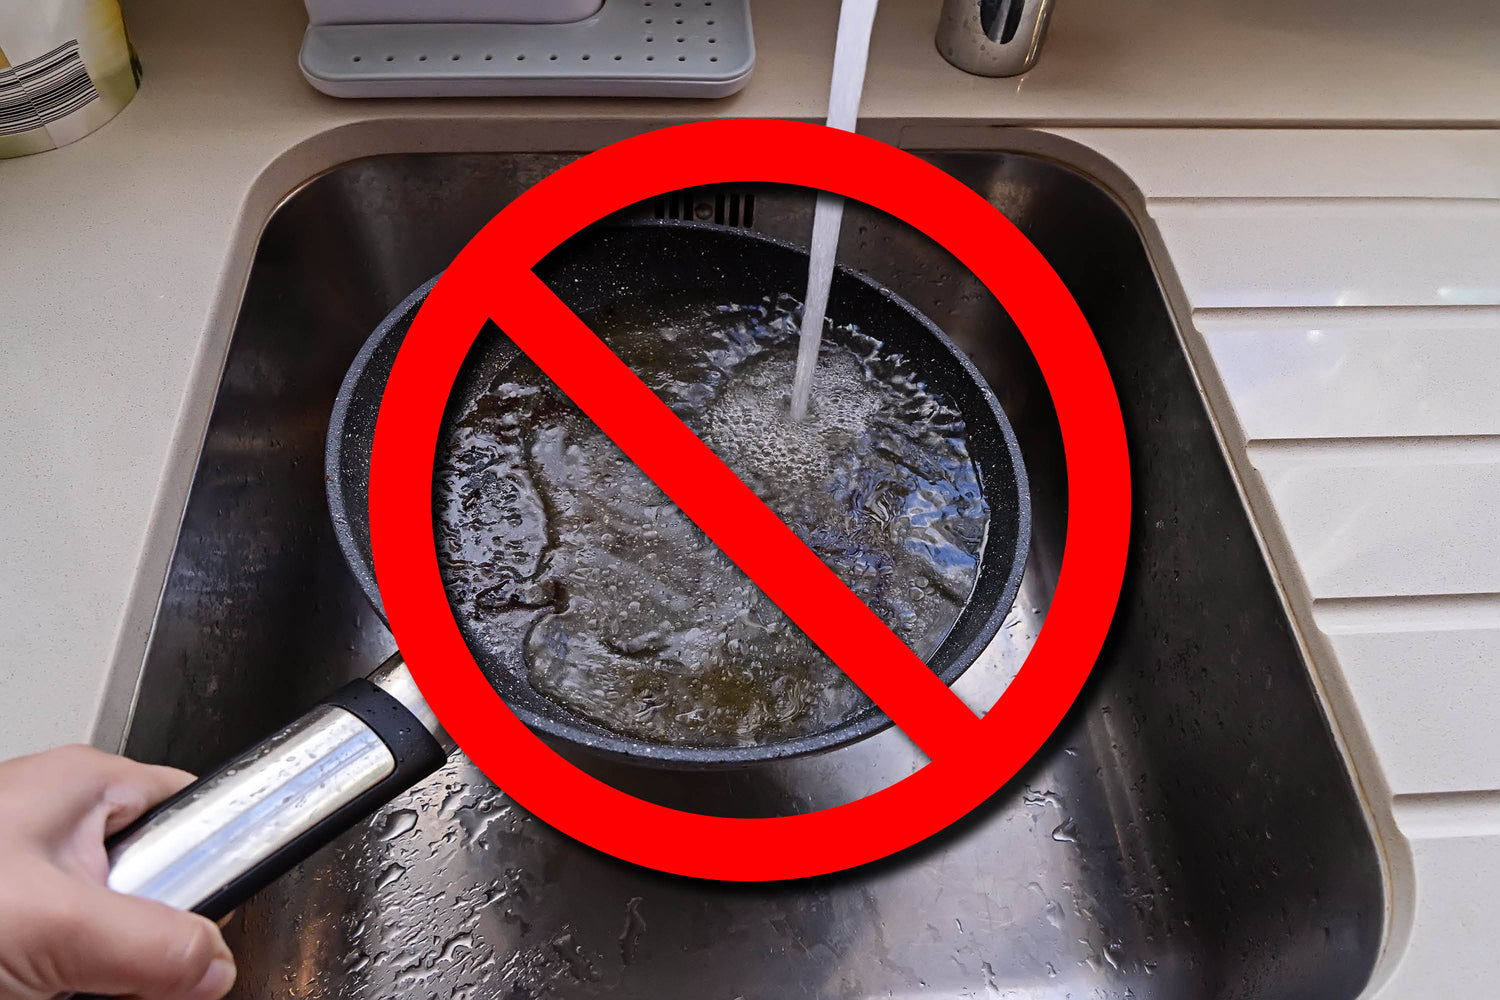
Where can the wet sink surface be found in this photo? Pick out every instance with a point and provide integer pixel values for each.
(1190, 831)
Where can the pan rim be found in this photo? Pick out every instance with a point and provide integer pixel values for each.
(582, 733)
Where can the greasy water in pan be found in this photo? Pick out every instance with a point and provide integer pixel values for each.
(631, 617)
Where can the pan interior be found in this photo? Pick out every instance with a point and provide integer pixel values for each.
(599, 270)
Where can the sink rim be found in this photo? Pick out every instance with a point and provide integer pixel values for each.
(1364, 777)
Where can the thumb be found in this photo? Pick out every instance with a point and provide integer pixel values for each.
(118, 945)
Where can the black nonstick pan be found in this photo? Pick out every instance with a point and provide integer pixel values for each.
(235, 830)
(649, 260)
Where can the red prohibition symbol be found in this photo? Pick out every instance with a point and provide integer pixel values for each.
(970, 756)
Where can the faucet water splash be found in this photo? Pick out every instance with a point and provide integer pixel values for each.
(850, 54)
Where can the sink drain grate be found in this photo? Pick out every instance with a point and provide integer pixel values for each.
(631, 48)
(722, 206)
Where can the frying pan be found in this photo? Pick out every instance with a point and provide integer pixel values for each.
(230, 833)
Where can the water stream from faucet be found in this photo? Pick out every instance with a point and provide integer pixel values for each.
(850, 53)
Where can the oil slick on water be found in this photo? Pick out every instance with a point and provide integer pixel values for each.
(634, 619)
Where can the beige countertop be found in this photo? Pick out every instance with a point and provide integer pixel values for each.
(1324, 177)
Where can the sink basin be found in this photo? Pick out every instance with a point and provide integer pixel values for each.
(1192, 830)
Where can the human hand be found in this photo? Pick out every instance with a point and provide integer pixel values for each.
(61, 928)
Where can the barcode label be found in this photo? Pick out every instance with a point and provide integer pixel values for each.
(44, 90)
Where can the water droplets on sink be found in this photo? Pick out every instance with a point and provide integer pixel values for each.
(397, 823)
(390, 876)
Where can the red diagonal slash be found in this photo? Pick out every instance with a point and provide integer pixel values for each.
(694, 478)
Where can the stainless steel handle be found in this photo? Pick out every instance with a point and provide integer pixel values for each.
(228, 834)
(993, 37)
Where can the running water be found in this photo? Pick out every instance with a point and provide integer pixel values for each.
(856, 17)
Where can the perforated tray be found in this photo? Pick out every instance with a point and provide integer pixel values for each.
(449, 11)
(631, 48)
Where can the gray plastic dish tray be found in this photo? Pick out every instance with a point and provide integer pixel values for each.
(631, 48)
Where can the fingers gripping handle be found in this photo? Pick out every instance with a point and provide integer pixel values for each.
(227, 835)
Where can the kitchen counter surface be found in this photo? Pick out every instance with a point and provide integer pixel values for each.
(1321, 181)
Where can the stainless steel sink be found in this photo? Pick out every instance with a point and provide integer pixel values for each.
(1190, 831)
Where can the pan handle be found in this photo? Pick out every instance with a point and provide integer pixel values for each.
(229, 834)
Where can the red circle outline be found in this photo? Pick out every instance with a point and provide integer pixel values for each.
(720, 152)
